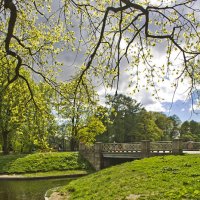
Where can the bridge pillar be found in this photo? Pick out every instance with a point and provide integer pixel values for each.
(145, 148)
(177, 146)
(98, 155)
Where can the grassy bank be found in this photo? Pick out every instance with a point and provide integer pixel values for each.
(42, 162)
(56, 173)
(170, 177)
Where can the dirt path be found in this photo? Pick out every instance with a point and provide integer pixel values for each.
(58, 196)
(10, 176)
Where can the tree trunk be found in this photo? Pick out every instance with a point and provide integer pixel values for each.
(73, 141)
(73, 144)
(5, 143)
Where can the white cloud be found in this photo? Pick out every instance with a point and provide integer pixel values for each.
(163, 3)
(144, 97)
(164, 89)
(158, 107)
(147, 100)
(164, 80)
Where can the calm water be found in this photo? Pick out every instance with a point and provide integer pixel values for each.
(28, 190)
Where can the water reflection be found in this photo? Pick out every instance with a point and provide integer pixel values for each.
(29, 189)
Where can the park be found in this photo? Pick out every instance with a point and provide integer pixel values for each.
(99, 99)
(24, 176)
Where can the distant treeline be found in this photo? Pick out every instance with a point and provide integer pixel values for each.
(128, 121)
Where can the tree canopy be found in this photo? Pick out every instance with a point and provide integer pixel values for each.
(129, 121)
(112, 36)
(24, 125)
(112, 33)
(78, 107)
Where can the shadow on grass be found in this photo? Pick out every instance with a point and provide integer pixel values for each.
(85, 164)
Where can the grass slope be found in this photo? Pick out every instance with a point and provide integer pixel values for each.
(166, 178)
(42, 162)
(56, 173)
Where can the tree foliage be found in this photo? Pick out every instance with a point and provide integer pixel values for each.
(113, 33)
(124, 110)
(29, 39)
(189, 131)
(129, 122)
(24, 125)
(164, 123)
(129, 33)
(78, 107)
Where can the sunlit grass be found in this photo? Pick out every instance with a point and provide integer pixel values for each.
(42, 162)
(166, 178)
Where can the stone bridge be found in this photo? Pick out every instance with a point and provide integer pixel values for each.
(101, 155)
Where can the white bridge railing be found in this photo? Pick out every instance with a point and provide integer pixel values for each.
(121, 147)
(161, 146)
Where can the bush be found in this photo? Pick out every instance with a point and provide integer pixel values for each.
(42, 162)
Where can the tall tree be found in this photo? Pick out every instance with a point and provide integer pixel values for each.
(24, 122)
(195, 128)
(78, 107)
(146, 128)
(123, 114)
(185, 131)
(164, 123)
(190, 131)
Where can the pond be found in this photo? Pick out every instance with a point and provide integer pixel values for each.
(28, 189)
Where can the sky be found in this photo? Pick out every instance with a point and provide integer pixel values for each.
(172, 100)
(171, 104)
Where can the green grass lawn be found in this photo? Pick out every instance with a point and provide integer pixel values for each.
(42, 162)
(166, 178)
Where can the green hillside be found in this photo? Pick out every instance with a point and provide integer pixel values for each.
(169, 177)
(42, 162)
